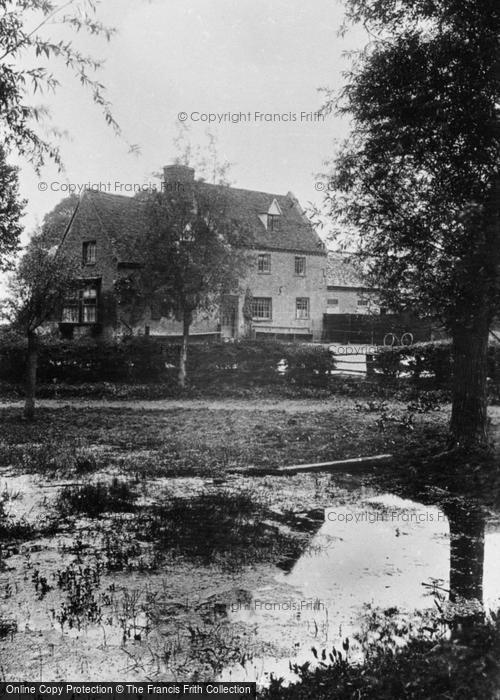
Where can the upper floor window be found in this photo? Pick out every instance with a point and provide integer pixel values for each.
(300, 265)
(302, 307)
(262, 308)
(273, 222)
(333, 302)
(89, 252)
(264, 262)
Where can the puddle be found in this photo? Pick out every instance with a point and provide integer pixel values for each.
(363, 548)
(384, 551)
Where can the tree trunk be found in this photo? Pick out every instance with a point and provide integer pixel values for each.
(469, 425)
(31, 369)
(186, 323)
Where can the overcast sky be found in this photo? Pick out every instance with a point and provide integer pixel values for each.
(201, 57)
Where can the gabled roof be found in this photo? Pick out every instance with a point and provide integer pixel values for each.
(343, 272)
(123, 219)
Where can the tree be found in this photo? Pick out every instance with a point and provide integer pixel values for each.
(37, 289)
(191, 256)
(55, 222)
(419, 176)
(22, 34)
(11, 210)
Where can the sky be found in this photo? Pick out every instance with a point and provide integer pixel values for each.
(200, 58)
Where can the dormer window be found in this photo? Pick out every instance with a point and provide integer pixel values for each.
(272, 217)
(273, 222)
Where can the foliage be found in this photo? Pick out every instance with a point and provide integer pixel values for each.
(95, 499)
(67, 460)
(37, 288)
(56, 221)
(434, 358)
(140, 360)
(11, 210)
(402, 659)
(25, 42)
(12, 528)
(188, 257)
(225, 528)
(417, 177)
(428, 364)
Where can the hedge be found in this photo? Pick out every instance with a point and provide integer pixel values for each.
(145, 360)
(433, 359)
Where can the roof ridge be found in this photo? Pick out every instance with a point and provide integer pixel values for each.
(246, 189)
(99, 193)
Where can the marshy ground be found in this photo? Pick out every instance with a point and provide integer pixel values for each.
(131, 549)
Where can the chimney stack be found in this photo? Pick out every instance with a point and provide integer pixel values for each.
(178, 173)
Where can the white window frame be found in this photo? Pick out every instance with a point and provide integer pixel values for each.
(302, 308)
(263, 302)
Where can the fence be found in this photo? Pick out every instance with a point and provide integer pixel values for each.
(366, 329)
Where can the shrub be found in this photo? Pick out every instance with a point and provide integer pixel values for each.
(95, 499)
(433, 359)
(145, 361)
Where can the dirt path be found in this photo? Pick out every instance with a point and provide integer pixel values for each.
(288, 405)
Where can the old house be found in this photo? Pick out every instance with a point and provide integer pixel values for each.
(285, 285)
(347, 291)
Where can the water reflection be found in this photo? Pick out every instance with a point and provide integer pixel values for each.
(387, 550)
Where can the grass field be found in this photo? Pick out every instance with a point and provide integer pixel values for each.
(196, 439)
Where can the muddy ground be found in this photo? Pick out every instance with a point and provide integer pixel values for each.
(131, 550)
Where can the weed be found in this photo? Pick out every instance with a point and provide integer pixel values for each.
(95, 499)
(8, 626)
(224, 527)
(81, 584)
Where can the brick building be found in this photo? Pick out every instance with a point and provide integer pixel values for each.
(286, 282)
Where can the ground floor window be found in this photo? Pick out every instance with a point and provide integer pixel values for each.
(81, 307)
(262, 308)
(302, 308)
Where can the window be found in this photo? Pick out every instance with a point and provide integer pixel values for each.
(89, 252)
(81, 307)
(264, 263)
(273, 222)
(302, 308)
(333, 302)
(300, 266)
(89, 305)
(262, 308)
(362, 302)
(70, 312)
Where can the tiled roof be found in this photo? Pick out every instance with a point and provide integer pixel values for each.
(124, 218)
(343, 272)
(296, 232)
